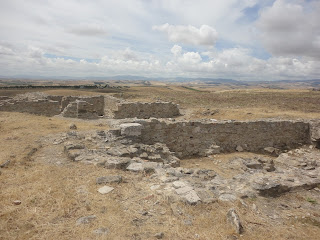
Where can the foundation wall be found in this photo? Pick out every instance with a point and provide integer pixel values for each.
(83, 107)
(86, 107)
(40, 107)
(200, 139)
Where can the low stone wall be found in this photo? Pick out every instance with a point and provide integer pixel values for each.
(204, 138)
(96, 101)
(146, 110)
(42, 104)
(83, 107)
(40, 107)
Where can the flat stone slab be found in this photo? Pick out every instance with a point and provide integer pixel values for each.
(135, 167)
(184, 190)
(105, 189)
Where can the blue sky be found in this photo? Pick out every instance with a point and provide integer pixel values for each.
(246, 40)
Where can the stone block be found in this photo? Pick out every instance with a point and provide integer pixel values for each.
(131, 129)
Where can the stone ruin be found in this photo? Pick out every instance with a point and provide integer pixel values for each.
(89, 107)
(43, 104)
(287, 157)
(290, 160)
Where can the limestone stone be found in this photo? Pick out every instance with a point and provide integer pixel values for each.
(226, 197)
(117, 163)
(16, 202)
(159, 235)
(101, 231)
(234, 219)
(183, 190)
(105, 189)
(135, 167)
(131, 129)
(239, 148)
(109, 179)
(179, 184)
(191, 197)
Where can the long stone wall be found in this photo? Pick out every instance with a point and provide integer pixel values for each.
(40, 107)
(147, 110)
(42, 104)
(204, 138)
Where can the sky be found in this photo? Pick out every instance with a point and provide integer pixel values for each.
(238, 39)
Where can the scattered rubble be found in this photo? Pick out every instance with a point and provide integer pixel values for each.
(126, 149)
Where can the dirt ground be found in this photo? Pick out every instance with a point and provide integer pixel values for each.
(54, 194)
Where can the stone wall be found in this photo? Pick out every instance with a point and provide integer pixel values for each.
(147, 110)
(40, 107)
(315, 132)
(83, 107)
(204, 138)
(42, 104)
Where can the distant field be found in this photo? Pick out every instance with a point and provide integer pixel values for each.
(234, 104)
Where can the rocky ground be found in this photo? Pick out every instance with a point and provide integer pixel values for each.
(266, 187)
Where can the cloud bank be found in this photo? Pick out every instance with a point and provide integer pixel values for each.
(251, 40)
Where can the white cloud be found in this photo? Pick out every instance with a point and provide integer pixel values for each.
(290, 28)
(205, 35)
(176, 50)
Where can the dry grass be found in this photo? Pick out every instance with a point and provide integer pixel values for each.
(54, 196)
(241, 104)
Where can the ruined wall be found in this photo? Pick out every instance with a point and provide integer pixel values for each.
(315, 132)
(40, 107)
(147, 110)
(85, 108)
(43, 104)
(65, 101)
(86, 105)
(203, 138)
